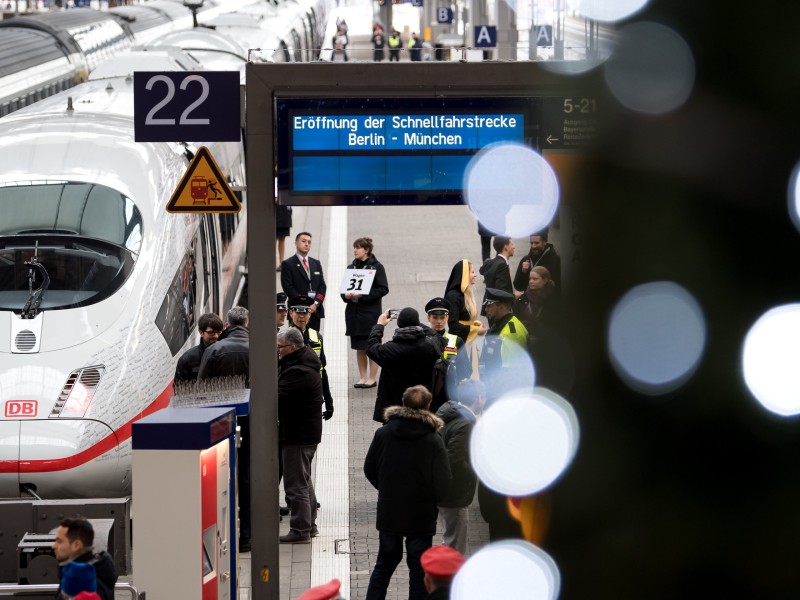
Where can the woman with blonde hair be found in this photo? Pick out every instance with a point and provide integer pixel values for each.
(463, 319)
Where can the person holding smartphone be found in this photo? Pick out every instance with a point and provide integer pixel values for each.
(363, 310)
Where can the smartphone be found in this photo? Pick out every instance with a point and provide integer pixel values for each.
(394, 313)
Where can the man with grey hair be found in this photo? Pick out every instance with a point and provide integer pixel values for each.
(231, 354)
(299, 430)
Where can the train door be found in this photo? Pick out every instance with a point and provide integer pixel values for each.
(210, 261)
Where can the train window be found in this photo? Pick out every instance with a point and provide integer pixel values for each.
(85, 237)
(176, 316)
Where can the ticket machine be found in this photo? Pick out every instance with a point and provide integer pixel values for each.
(183, 498)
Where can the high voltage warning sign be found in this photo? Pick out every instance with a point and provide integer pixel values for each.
(203, 188)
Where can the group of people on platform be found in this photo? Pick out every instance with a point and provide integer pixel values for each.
(395, 43)
(433, 380)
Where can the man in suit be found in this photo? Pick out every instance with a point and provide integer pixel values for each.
(496, 272)
(302, 275)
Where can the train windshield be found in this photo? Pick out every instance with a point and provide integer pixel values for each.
(78, 241)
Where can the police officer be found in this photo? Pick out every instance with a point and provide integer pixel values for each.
(281, 309)
(506, 341)
(438, 310)
(395, 41)
(299, 316)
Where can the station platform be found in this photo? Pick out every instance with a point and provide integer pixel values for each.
(418, 254)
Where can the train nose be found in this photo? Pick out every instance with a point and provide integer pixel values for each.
(59, 458)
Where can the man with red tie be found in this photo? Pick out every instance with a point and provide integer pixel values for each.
(302, 275)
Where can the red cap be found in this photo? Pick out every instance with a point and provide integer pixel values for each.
(329, 591)
(441, 562)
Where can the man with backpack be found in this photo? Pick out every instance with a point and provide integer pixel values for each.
(453, 364)
(73, 543)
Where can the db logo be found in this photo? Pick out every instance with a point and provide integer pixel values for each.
(21, 408)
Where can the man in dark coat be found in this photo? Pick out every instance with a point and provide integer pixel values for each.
(542, 254)
(496, 271)
(459, 416)
(407, 463)
(406, 360)
(210, 327)
(453, 352)
(74, 542)
(299, 430)
(231, 354)
(302, 275)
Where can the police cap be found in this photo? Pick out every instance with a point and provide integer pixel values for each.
(438, 306)
(441, 562)
(301, 304)
(280, 301)
(493, 295)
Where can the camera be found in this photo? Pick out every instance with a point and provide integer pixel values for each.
(394, 313)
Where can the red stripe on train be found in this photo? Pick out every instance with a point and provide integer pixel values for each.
(105, 445)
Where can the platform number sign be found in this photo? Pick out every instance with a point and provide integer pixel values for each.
(444, 15)
(485, 36)
(186, 106)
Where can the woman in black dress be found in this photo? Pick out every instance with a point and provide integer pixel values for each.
(363, 310)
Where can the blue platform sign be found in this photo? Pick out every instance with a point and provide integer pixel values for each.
(390, 151)
(485, 36)
(444, 15)
(543, 34)
(186, 106)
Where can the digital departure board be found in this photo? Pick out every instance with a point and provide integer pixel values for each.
(390, 150)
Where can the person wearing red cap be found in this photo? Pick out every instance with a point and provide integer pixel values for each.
(328, 591)
(440, 563)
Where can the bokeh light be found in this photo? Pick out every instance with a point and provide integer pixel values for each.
(609, 11)
(656, 337)
(794, 196)
(770, 360)
(652, 70)
(524, 441)
(513, 370)
(511, 189)
(507, 569)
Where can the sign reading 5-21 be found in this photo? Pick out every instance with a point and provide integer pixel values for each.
(357, 281)
(186, 106)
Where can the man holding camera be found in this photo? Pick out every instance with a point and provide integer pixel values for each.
(406, 360)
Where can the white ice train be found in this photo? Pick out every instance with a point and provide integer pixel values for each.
(100, 287)
(43, 54)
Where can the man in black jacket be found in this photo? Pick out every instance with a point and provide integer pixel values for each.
(541, 254)
(302, 275)
(74, 542)
(459, 416)
(406, 360)
(300, 430)
(210, 327)
(496, 271)
(407, 463)
(230, 356)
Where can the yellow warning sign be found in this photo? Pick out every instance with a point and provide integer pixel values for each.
(203, 188)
